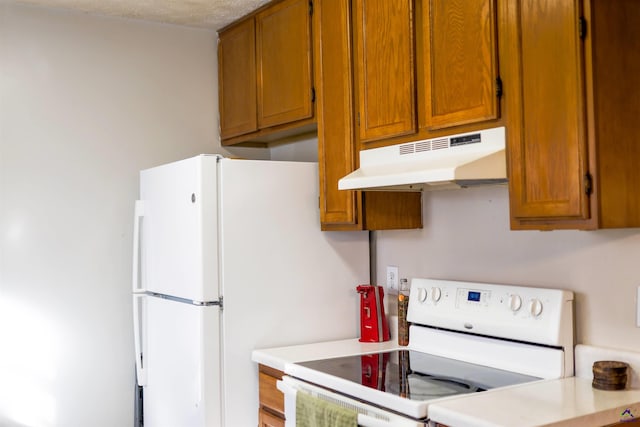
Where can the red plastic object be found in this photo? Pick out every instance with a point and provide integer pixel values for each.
(373, 322)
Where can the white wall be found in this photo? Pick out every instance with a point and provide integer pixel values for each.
(85, 103)
(466, 237)
(303, 148)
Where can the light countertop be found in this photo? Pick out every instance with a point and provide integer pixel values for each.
(567, 402)
(278, 357)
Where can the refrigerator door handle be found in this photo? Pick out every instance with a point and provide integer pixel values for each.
(137, 218)
(199, 384)
(138, 335)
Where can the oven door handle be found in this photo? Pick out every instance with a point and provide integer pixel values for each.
(363, 420)
(367, 421)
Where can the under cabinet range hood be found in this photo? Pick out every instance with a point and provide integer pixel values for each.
(463, 160)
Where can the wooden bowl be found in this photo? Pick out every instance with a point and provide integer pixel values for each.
(609, 375)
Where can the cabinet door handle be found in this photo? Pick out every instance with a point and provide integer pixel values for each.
(588, 184)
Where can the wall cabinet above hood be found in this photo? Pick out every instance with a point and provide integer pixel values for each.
(422, 67)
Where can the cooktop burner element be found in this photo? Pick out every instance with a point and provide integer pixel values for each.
(415, 375)
(423, 387)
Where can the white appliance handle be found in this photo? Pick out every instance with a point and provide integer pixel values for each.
(138, 336)
(367, 421)
(199, 391)
(137, 217)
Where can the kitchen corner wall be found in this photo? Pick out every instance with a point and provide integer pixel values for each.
(85, 103)
(466, 237)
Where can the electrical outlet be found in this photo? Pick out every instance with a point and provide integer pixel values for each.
(392, 279)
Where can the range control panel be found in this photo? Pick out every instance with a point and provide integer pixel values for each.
(507, 311)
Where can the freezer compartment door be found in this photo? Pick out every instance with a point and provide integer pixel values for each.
(182, 364)
(178, 229)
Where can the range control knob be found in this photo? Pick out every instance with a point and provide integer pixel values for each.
(515, 302)
(422, 294)
(535, 307)
(436, 293)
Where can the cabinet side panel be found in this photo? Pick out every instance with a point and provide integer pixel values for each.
(616, 73)
(336, 146)
(277, 265)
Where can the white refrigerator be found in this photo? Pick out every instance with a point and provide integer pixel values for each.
(229, 257)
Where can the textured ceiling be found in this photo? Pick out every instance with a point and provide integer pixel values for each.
(212, 14)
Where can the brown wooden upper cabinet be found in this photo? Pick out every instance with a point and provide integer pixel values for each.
(423, 66)
(573, 132)
(337, 150)
(385, 68)
(460, 59)
(265, 74)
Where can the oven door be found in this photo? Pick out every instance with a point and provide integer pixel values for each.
(368, 415)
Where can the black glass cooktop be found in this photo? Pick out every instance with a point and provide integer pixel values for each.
(415, 375)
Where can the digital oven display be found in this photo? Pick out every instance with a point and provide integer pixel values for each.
(473, 296)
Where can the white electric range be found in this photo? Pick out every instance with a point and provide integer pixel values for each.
(465, 337)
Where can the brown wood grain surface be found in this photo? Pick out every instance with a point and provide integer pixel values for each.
(572, 100)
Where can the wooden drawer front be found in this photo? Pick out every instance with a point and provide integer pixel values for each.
(270, 396)
(267, 419)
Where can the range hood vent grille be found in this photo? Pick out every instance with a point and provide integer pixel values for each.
(407, 149)
(439, 144)
(422, 146)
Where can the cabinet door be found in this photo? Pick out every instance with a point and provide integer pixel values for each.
(283, 34)
(237, 80)
(546, 120)
(384, 69)
(460, 62)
